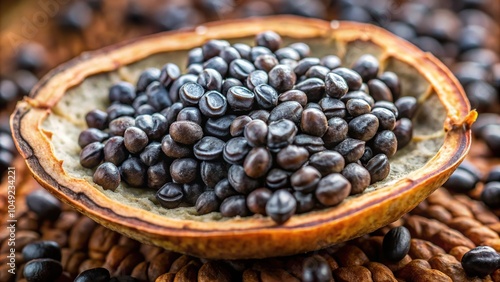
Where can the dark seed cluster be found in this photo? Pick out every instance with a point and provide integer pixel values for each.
(261, 129)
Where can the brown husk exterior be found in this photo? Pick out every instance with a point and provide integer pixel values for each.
(251, 237)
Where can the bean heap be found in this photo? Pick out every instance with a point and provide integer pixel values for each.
(251, 130)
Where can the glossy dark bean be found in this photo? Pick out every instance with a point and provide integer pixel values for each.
(212, 48)
(263, 115)
(212, 172)
(207, 203)
(158, 96)
(302, 48)
(269, 39)
(236, 150)
(190, 114)
(313, 105)
(97, 119)
(173, 92)
(461, 181)
(480, 261)
(234, 206)
(293, 95)
(396, 244)
(91, 135)
(257, 162)
(257, 200)
(134, 172)
(99, 274)
(92, 155)
(192, 192)
(367, 66)
(158, 174)
(223, 189)
(386, 105)
(240, 98)
(287, 53)
(266, 96)
(135, 139)
(184, 170)
(491, 136)
(392, 81)
(229, 54)
(332, 189)
(281, 206)
(219, 127)
(118, 126)
(114, 150)
(122, 92)
(379, 168)
(210, 79)
(305, 179)
(256, 78)
(238, 125)
(313, 87)
(335, 85)
(42, 249)
(151, 154)
(330, 61)
(363, 127)
(358, 95)
(208, 148)
(357, 107)
(491, 194)
(44, 204)
(146, 124)
(190, 93)
(213, 104)
(336, 132)
(407, 106)
(304, 65)
(379, 91)
(280, 134)
(219, 66)
(148, 76)
(228, 83)
(351, 149)
(107, 175)
(170, 195)
(333, 107)
(352, 78)
(276, 178)
(145, 110)
(42, 270)
(317, 72)
(404, 132)
(493, 174)
(243, 49)
(289, 110)
(259, 50)
(316, 269)
(327, 162)
(305, 201)
(256, 132)
(173, 149)
(358, 176)
(292, 157)
(240, 181)
(266, 62)
(195, 56)
(169, 73)
(387, 120)
(282, 78)
(313, 122)
(472, 169)
(289, 62)
(240, 69)
(385, 142)
(367, 155)
(119, 110)
(186, 132)
(313, 144)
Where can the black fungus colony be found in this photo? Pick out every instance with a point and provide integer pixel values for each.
(261, 129)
